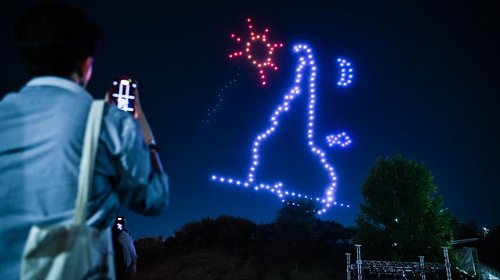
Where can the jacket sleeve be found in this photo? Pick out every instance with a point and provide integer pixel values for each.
(139, 186)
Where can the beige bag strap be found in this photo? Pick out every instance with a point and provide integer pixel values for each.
(87, 163)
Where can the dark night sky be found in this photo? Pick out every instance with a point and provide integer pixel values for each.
(425, 87)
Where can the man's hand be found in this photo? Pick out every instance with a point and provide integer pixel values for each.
(147, 133)
(143, 122)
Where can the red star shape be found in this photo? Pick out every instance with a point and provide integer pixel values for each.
(263, 63)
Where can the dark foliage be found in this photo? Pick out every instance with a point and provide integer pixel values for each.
(402, 217)
(488, 248)
(401, 207)
(294, 247)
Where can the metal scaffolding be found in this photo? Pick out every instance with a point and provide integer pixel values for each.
(395, 268)
(359, 263)
(348, 256)
(447, 263)
(422, 265)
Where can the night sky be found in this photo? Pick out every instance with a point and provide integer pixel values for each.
(426, 87)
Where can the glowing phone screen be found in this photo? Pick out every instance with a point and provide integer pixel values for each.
(124, 97)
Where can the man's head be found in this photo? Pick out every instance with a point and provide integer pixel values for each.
(57, 39)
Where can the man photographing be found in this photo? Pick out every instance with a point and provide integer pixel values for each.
(42, 128)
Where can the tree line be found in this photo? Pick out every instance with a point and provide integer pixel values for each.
(401, 218)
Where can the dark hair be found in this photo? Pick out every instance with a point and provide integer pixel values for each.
(54, 38)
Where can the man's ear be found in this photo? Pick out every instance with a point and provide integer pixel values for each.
(85, 70)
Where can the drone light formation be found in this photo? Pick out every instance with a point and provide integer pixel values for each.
(342, 139)
(261, 63)
(306, 60)
(213, 110)
(346, 72)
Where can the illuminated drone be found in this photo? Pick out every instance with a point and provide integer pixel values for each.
(327, 200)
(261, 62)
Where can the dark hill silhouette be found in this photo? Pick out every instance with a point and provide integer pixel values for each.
(296, 246)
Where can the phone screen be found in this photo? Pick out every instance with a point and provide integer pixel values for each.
(123, 94)
(119, 222)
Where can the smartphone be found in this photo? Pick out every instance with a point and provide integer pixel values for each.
(120, 222)
(123, 94)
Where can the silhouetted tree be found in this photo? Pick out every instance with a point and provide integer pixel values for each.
(150, 252)
(402, 216)
(234, 233)
(333, 233)
(465, 230)
(295, 233)
(297, 246)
